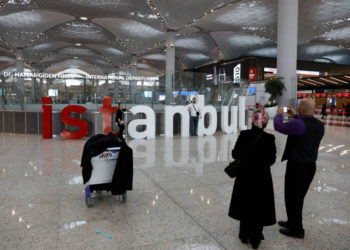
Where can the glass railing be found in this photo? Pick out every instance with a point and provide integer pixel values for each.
(90, 93)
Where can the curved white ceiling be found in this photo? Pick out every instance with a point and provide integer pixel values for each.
(52, 34)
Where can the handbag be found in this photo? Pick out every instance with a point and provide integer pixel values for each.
(233, 169)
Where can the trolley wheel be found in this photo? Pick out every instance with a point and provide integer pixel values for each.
(88, 201)
(124, 197)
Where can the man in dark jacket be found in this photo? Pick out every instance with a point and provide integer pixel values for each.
(304, 137)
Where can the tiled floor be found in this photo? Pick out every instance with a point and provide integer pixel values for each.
(180, 198)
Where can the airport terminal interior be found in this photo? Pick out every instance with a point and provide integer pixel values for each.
(67, 66)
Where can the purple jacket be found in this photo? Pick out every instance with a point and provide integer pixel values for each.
(294, 127)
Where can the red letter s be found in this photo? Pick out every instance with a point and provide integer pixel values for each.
(66, 119)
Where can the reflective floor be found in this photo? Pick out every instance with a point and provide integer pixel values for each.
(180, 199)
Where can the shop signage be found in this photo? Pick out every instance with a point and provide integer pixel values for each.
(301, 95)
(339, 94)
(317, 95)
(149, 122)
(252, 74)
(299, 72)
(73, 76)
(324, 95)
(346, 94)
(237, 73)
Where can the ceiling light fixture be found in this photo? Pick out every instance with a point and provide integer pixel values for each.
(318, 82)
(339, 80)
(78, 44)
(83, 18)
(308, 82)
(75, 57)
(329, 81)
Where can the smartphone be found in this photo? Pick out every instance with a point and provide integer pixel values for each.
(285, 114)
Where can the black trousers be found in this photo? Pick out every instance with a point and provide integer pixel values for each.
(251, 230)
(297, 181)
(193, 125)
(121, 130)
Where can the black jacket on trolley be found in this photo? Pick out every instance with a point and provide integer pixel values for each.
(253, 196)
(123, 173)
(124, 166)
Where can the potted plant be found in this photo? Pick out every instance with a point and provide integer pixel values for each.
(274, 87)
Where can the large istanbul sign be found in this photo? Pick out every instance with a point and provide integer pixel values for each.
(149, 122)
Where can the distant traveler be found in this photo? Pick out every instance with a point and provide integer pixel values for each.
(324, 110)
(304, 137)
(119, 120)
(194, 110)
(347, 110)
(252, 201)
(257, 106)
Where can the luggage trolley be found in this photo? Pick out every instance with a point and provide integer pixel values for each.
(102, 173)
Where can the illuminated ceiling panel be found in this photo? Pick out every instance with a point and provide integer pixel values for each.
(249, 17)
(156, 57)
(23, 28)
(236, 44)
(198, 42)
(137, 37)
(192, 60)
(263, 52)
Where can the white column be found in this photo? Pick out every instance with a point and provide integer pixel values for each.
(287, 42)
(106, 87)
(66, 92)
(169, 65)
(41, 87)
(133, 83)
(116, 86)
(85, 92)
(34, 90)
(20, 81)
(2, 97)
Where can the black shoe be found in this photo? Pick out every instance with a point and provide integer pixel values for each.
(290, 233)
(256, 244)
(244, 240)
(283, 224)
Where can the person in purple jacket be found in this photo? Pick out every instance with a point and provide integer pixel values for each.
(305, 133)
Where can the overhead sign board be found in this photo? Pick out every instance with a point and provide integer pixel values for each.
(72, 76)
(237, 73)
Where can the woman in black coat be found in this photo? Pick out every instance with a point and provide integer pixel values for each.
(252, 201)
(119, 120)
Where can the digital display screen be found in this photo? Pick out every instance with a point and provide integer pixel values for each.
(161, 97)
(53, 92)
(147, 94)
(251, 91)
